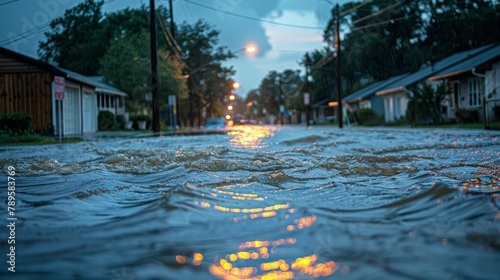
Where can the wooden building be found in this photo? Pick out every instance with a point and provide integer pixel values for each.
(27, 86)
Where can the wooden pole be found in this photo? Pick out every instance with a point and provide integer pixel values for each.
(339, 82)
(154, 69)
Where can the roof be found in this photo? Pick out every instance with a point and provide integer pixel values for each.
(371, 89)
(321, 103)
(95, 82)
(468, 64)
(428, 71)
(10, 67)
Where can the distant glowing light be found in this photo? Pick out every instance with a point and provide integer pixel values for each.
(251, 49)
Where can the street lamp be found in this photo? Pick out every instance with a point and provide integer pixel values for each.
(250, 49)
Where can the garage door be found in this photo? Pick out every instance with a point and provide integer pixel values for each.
(70, 112)
(89, 119)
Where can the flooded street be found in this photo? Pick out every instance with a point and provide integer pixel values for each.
(259, 203)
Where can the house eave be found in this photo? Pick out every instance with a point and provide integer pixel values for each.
(103, 90)
(446, 76)
(390, 91)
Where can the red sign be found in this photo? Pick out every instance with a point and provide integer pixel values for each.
(59, 87)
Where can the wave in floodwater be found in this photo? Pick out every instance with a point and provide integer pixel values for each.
(259, 203)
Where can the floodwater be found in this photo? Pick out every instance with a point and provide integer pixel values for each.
(258, 203)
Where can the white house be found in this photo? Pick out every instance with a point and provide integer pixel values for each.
(474, 84)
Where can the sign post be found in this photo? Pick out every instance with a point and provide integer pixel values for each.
(307, 101)
(59, 96)
(172, 101)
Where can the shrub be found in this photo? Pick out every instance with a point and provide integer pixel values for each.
(16, 124)
(467, 116)
(120, 121)
(365, 116)
(48, 130)
(106, 121)
(138, 118)
(496, 109)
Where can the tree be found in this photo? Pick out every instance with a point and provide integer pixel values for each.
(456, 26)
(126, 66)
(75, 40)
(208, 81)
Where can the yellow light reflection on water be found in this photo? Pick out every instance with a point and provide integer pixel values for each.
(250, 136)
(261, 254)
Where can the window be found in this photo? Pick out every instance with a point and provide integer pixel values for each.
(474, 94)
(365, 104)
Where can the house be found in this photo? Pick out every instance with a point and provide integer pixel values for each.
(322, 111)
(390, 97)
(26, 86)
(366, 98)
(474, 84)
(395, 95)
(29, 86)
(86, 97)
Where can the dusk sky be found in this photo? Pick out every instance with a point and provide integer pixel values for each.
(283, 30)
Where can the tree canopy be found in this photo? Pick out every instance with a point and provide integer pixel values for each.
(116, 46)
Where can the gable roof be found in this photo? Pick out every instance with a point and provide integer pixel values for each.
(14, 62)
(95, 82)
(428, 71)
(371, 89)
(469, 64)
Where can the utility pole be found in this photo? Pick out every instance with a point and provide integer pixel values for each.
(339, 83)
(307, 88)
(154, 68)
(172, 30)
(280, 98)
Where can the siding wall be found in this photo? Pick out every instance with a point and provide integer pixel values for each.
(28, 93)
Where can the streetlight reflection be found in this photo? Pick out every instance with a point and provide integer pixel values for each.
(249, 136)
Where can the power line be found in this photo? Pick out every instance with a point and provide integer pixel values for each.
(252, 18)
(2, 4)
(354, 8)
(380, 23)
(377, 13)
(171, 42)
